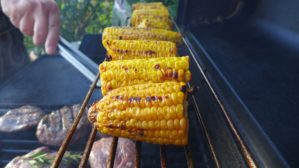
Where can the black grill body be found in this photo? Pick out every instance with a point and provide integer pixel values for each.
(251, 59)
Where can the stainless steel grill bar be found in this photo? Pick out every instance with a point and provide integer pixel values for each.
(163, 156)
(188, 155)
(207, 136)
(88, 147)
(138, 154)
(112, 152)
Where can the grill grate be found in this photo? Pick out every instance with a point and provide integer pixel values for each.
(110, 162)
(204, 157)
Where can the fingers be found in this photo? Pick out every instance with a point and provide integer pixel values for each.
(26, 25)
(17, 10)
(40, 28)
(53, 31)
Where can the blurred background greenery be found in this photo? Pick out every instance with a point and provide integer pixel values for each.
(79, 17)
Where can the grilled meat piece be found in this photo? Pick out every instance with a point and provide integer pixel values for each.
(53, 128)
(42, 157)
(125, 153)
(22, 118)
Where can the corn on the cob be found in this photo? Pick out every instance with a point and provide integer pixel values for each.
(154, 113)
(153, 12)
(153, 22)
(115, 74)
(132, 49)
(152, 5)
(131, 33)
(151, 19)
(162, 8)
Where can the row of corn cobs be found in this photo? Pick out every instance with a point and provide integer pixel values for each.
(144, 82)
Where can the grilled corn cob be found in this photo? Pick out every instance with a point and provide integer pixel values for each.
(131, 33)
(153, 12)
(152, 5)
(151, 19)
(132, 49)
(115, 74)
(154, 113)
(153, 22)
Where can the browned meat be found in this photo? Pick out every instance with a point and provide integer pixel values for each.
(21, 118)
(42, 157)
(125, 154)
(53, 128)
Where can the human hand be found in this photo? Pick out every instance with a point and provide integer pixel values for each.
(37, 18)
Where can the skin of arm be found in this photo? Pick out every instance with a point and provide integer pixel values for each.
(37, 18)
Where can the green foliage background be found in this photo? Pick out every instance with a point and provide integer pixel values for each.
(84, 16)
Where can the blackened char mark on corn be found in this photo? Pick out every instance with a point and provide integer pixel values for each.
(150, 52)
(175, 75)
(157, 66)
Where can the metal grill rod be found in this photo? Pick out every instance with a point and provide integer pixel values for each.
(112, 152)
(163, 156)
(188, 155)
(138, 154)
(88, 147)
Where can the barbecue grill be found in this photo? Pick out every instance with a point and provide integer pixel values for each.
(244, 113)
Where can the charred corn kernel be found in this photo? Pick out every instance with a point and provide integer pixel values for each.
(142, 123)
(133, 49)
(150, 5)
(115, 74)
(131, 33)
